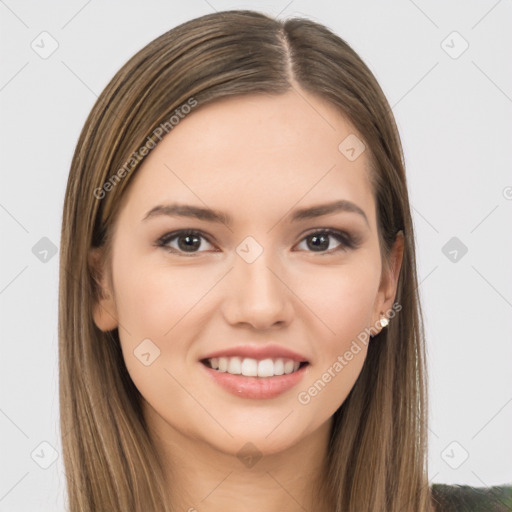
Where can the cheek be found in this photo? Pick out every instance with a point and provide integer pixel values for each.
(154, 302)
(152, 299)
(164, 305)
(343, 299)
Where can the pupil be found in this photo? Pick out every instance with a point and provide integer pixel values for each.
(318, 244)
(186, 246)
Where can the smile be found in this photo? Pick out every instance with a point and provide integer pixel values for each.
(249, 367)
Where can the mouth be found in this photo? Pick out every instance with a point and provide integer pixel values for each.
(251, 367)
(258, 372)
(255, 379)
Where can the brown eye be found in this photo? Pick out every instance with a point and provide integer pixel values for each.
(187, 241)
(322, 241)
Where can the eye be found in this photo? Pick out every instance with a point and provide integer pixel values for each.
(320, 241)
(188, 241)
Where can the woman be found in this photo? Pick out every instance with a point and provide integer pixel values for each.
(240, 325)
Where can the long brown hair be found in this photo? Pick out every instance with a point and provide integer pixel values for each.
(377, 449)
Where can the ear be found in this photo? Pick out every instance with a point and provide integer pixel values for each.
(104, 307)
(389, 280)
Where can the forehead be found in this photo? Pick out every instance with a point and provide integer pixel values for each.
(256, 152)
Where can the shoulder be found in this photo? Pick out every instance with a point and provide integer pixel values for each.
(464, 498)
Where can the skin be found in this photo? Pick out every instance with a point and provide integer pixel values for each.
(256, 158)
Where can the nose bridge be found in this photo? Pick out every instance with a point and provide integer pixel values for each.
(256, 294)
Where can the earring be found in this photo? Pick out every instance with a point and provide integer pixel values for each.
(384, 322)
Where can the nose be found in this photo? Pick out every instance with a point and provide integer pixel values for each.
(256, 294)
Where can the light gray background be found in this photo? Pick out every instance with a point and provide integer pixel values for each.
(455, 122)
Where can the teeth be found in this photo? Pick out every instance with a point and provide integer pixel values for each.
(250, 367)
(266, 368)
(288, 366)
(235, 365)
(253, 368)
(278, 367)
(223, 364)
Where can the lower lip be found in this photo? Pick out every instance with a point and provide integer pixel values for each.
(256, 387)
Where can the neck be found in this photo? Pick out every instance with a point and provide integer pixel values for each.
(201, 477)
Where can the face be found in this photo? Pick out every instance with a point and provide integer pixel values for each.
(249, 274)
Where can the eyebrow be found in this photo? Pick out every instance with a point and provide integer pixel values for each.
(196, 212)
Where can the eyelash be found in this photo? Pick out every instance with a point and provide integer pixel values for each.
(346, 240)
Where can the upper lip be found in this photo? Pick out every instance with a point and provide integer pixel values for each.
(258, 352)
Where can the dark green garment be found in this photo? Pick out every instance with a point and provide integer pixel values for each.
(463, 498)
